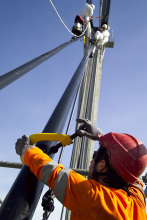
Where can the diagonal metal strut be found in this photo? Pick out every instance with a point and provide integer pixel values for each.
(13, 75)
(22, 199)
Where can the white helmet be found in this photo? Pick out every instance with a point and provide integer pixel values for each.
(104, 26)
(93, 6)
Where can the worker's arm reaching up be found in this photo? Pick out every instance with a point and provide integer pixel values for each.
(54, 175)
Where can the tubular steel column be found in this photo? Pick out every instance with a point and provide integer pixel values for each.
(15, 74)
(87, 108)
(21, 201)
(89, 97)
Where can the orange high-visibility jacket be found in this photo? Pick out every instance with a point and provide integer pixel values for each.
(87, 199)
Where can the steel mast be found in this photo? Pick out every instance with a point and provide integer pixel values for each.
(15, 74)
(22, 199)
(88, 98)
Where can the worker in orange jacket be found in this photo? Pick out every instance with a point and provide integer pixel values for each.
(112, 190)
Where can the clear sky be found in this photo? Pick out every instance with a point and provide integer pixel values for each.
(31, 28)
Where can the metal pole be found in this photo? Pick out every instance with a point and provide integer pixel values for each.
(13, 75)
(22, 199)
(67, 98)
(62, 150)
(68, 126)
(88, 105)
(15, 165)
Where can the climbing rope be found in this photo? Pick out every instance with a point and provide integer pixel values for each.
(64, 23)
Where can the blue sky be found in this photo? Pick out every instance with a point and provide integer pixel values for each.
(31, 28)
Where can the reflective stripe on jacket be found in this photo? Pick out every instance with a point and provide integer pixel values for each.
(87, 199)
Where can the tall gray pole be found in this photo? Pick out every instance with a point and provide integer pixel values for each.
(87, 108)
(22, 199)
(15, 74)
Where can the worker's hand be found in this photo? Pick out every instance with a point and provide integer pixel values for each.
(21, 143)
(88, 129)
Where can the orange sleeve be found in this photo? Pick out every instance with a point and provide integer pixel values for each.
(36, 159)
(78, 189)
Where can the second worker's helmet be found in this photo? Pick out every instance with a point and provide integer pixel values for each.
(105, 26)
(127, 155)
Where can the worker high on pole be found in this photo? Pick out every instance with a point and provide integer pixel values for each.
(84, 20)
(112, 190)
(101, 37)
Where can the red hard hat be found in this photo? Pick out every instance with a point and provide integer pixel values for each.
(127, 155)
